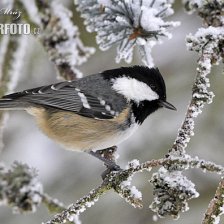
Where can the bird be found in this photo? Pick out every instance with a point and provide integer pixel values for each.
(95, 112)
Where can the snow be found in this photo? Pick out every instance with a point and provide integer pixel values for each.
(175, 179)
(126, 182)
(213, 31)
(17, 64)
(206, 41)
(25, 195)
(4, 46)
(216, 219)
(172, 191)
(154, 218)
(105, 2)
(146, 52)
(32, 11)
(68, 48)
(75, 219)
(135, 192)
(133, 164)
(89, 203)
(150, 15)
(131, 194)
(127, 23)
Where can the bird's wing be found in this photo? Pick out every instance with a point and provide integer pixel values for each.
(73, 96)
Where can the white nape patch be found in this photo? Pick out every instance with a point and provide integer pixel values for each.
(132, 89)
(84, 100)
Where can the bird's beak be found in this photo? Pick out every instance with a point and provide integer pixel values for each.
(167, 105)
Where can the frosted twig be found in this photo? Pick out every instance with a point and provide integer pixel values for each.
(130, 193)
(27, 192)
(208, 43)
(172, 191)
(216, 206)
(200, 96)
(55, 206)
(116, 181)
(19, 188)
(12, 51)
(60, 38)
(15, 70)
(81, 205)
(52, 204)
(169, 182)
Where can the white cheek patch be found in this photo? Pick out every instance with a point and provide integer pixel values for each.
(133, 89)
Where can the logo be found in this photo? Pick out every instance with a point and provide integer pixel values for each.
(15, 28)
(10, 12)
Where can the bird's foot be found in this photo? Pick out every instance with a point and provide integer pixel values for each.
(108, 157)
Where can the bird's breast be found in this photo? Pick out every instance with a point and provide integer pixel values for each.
(81, 133)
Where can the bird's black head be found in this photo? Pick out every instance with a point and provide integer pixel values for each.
(144, 87)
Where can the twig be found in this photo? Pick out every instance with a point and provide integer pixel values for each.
(55, 206)
(208, 43)
(60, 38)
(81, 205)
(12, 52)
(215, 208)
(115, 179)
(21, 190)
(52, 204)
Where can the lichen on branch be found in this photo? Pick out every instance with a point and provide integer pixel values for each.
(19, 188)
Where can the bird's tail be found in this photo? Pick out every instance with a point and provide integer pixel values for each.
(11, 104)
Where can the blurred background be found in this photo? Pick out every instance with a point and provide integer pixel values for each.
(69, 175)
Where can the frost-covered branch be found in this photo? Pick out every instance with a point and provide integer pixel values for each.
(208, 42)
(55, 206)
(60, 37)
(120, 181)
(12, 52)
(128, 23)
(21, 190)
(216, 206)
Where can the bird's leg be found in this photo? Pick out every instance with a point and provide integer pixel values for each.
(108, 157)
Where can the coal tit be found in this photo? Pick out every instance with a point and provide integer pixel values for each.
(96, 112)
